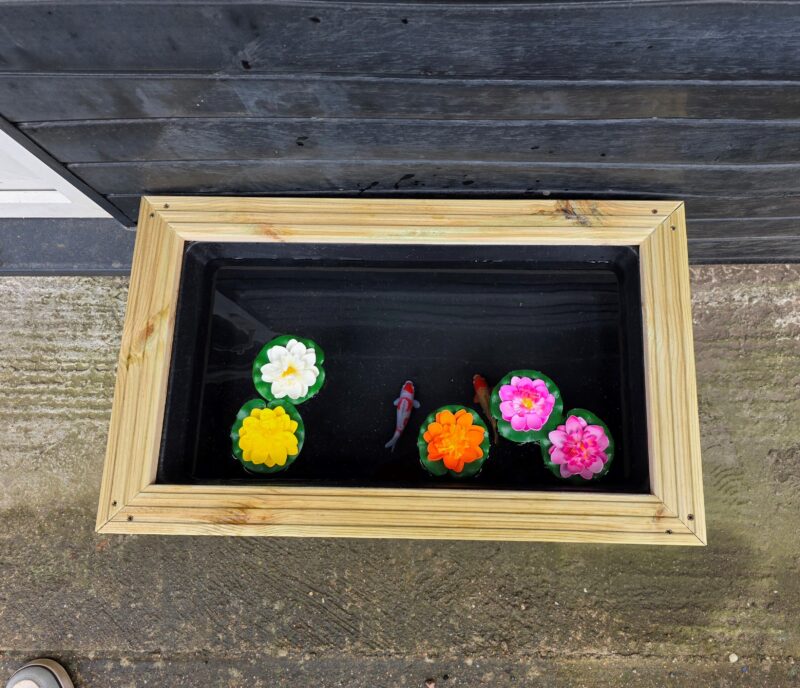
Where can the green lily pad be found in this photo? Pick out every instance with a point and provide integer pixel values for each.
(265, 388)
(523, 436)
(244, 412)
(438, 468)
(591, 419)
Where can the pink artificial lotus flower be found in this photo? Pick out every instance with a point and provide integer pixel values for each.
(526, 404)
(579, 448)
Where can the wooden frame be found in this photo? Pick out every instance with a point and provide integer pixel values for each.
(131, 502)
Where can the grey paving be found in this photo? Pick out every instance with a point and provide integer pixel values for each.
(182, 611)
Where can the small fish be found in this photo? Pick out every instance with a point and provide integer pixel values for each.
(482, 398)
(404, 403)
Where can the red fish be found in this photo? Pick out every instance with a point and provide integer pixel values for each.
(404, 403)
(482, 398)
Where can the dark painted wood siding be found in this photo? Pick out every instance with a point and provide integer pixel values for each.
(692, 100)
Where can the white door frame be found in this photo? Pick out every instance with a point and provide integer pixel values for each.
(30, 188)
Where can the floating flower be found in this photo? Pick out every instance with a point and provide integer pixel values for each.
(267, 437)
(582, 447)
(453, 439)
(289, 367)
(526, 405)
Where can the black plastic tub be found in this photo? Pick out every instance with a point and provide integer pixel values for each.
(383, 314)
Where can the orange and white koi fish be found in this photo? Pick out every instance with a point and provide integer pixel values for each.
(482, 398)
(404, 403)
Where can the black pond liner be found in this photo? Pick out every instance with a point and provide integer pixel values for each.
(383, 314)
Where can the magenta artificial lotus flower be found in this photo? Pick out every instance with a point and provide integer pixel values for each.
(526, 403)
(579, 448)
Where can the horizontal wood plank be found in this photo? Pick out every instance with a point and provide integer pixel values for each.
(245, 497)
(448, 209)
(381, 177)
(590, 141)
(397, 98)
(715, 40)
(555, 235)
(749, 222)
(468, 520)
(38, 97)
(742, 215)
(765, 249)
(571, 216)
(678, 537)
(60, 246)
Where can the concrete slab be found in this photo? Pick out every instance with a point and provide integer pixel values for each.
(143, 610)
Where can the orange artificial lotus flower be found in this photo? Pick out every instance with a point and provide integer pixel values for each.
(454, 439)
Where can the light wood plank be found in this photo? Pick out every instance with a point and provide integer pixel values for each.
(405, 493)
(430, 501)
(143, 365)
(674, 435)
(201, 205)
(132, 502)
(567, 217)
(377, 234)
(683, 537)
(470, 517)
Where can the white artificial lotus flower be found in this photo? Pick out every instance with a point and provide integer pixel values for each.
(291, 369)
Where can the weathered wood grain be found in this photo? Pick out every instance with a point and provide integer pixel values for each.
(427, 176)
(643, 141)
(776, 249)
(455, 91)
(715, 40)
(38, 97)
(452, 93)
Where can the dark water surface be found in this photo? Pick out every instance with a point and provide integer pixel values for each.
(383, 314)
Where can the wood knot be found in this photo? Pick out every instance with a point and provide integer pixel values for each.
(570, 212)
(270, 231)
(144, 338)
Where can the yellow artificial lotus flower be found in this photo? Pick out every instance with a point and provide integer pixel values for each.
(267, 436)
